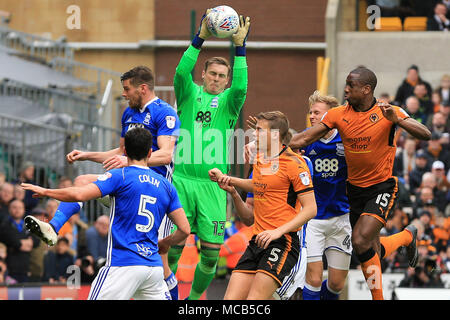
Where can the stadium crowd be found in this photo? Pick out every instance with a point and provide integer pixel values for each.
(24, 258)
(422, 169)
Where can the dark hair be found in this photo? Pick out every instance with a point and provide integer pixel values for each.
(366, 77)
(138, 142)
(218, 60)
(140, 75)
(279, 121)
(63, 239)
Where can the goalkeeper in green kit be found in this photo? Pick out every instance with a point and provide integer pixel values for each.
(208, 114)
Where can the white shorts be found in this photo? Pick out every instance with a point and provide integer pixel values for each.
(295, 279)
(124, 283)
(164, 229)
(335, 234)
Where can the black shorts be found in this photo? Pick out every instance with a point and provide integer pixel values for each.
(276, 261)
(377, 200)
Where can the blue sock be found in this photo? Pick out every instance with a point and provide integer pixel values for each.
(172, 284)
(326, 293)
(310, 292)
(63, 213)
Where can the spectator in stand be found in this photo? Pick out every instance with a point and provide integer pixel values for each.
(422, 8)
(19, 261)
(438, 21)
(393, 8)
(405, 160)
(444, 89)
(413, 109)
(50, 207)
(439, 198)
(438, 123)
(2, 178)
(19, 193)
(38, 253)
(56, 262)
(26, 174)
(441, 232)
(425, 275)
(65, 182)
(438, 170)
(97, 238)
(422, 165)
(406, 89)
(426, 105)
(5, 278)
(6, 196)
(435, 150)
(437, 104)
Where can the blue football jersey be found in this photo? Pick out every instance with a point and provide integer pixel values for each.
(140, 198)
(329, 176)
(160, 119)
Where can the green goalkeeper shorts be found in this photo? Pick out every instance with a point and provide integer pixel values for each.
(205, 205)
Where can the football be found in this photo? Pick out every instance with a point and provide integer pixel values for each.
(222, 21)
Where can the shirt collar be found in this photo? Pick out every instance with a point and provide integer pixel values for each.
(147, 104)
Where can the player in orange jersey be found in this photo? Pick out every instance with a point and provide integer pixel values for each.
(283, 202)
(367, 128)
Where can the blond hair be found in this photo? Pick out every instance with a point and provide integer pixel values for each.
(318, 97)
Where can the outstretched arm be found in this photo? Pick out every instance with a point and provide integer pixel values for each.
(71, 194)
(217, 176)
(305, 138)
(95, 156)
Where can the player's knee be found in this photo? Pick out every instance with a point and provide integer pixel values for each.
(360, 242)
(208, 260)
(314, 280)
(337, 285)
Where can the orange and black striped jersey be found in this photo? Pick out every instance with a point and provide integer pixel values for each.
(369, 142)
(276, 184)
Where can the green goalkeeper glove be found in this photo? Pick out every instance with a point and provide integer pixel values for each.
(240, 37)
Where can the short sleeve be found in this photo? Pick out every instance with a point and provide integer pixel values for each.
(250, 194)
(300, 178)
(174, 202)
(401, 113)
(330, 118)
(109, 182)
(168, 123)
(124, 127)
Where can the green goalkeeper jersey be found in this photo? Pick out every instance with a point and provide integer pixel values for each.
(207, 120)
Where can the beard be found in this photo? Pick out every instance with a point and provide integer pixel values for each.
(135, 102)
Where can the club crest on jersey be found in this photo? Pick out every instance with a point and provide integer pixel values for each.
(340, 149)
(214, 102)
(274, 167)
(374, 117)
(170, 121)
(147, 118)
(104, 176)
(304, 177)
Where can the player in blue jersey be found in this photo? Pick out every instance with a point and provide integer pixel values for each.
(140, 198)
(330, 231)
(147, 111)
